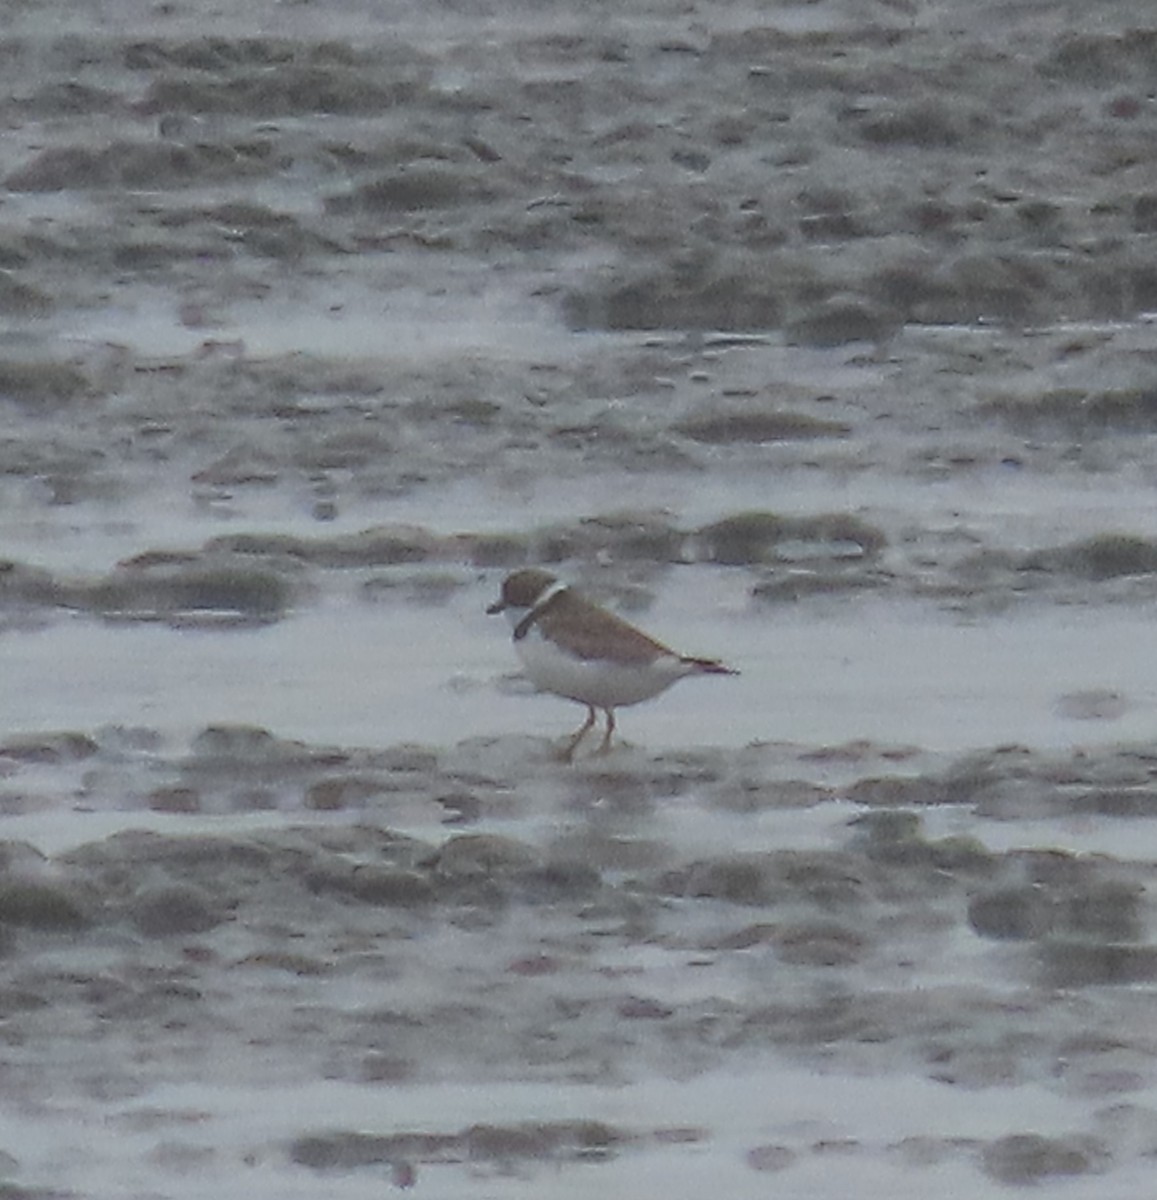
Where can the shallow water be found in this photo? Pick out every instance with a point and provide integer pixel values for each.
(353, 673)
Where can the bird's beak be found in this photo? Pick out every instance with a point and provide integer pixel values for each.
(496, 607)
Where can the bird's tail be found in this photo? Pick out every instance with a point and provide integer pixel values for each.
(708, 666)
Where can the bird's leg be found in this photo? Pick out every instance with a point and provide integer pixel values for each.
(571, 746)
(605, 744)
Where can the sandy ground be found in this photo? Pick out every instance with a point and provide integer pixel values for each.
(815, 336)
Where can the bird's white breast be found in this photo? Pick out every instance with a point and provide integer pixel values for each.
(598, 682)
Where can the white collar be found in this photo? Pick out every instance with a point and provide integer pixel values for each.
(555, 589)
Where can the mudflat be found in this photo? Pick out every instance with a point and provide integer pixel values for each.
(816, 337)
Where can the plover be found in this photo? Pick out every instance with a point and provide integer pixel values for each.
(575, 649)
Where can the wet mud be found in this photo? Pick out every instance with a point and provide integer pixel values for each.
(815, 336)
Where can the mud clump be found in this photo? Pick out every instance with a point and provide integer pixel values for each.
(919, 124)
(732, 302)
(1077, 412)
(482, 855)
(18, 299)
(243, 745)
(245, 591)
(1064, 963)
(756, 537)
(843, 319)
(220, 55)
(131, 165)
(896, 836)
(175, 799)
(342, 792)
(173, 911)
(740, 426)
(416, 189)
(1026, 1158)
(381, 546)
(1106, 556)
(1066, 906)
(1013, 913)
(614, 536)
(797, 586)
(737, 880)
(291, 89)
(39, 386)
(61, 747)
(372, 884)
(154, 591)
(41, 906)
(820, 944)
(479, 1143)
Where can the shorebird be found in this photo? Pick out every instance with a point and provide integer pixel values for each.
(580, 651)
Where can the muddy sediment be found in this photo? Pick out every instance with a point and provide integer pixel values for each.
(486, 956)
(815, 316)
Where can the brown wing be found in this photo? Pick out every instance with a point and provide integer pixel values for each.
(591, 632)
